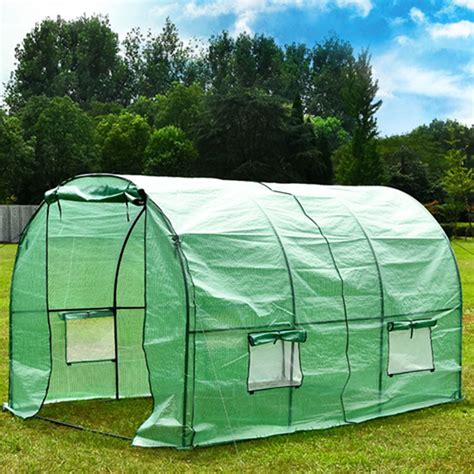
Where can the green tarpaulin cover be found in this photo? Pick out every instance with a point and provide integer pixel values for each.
(200, 281)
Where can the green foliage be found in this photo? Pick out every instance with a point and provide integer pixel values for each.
(261, 136)
(63, 137)
(407, 173)
(78, 58)
(170, 153)
(459, 180)
(122, 140)
(147, 107)
(358, 163)
(181, 106)
(458, 183)
(329, 130)
(332, 62)
(295, 75)
(245, 63)
(16, 158)
(242, 136)
(98, 109)
(309, 165)
(155, 62)
(219, 56)
(431, 143)
(359, 94)
(254, 136)
(330, 135)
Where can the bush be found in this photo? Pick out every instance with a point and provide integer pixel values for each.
(459, 229)
(170, 153)
(463, 230)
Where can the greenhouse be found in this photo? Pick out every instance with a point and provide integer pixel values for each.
(243, 309)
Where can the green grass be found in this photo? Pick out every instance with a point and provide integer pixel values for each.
(438, 438)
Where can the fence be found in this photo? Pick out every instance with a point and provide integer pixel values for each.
(13, 219)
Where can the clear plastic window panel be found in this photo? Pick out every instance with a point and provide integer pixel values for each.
(274, 365)
(90, 339)
(410, 350)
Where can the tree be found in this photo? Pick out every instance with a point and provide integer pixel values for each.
(331, 63)
(330, 135)
(170, 153)
(358, 162)
(359, 94)
(122, 140)
(268, 64)
(296, 72)
(253, 136)
(363, 164)
(306, 159)
(98, 109)
(409, 174)
(164, 60)
(78, 58)
(432, 142)
(16, 160)
(220, 54)
(458, 183)
(243, 136)
(181, 106)
(63, 137)
(247, 62)
(147, 107)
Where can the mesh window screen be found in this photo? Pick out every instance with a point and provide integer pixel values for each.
(410, 349)
(89, 338)
(274, 365)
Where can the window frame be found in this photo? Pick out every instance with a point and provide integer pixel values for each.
(75, 315)
(411, 325)
(291, 336)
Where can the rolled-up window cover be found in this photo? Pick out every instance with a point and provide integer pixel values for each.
(401, 325)
(290, 335)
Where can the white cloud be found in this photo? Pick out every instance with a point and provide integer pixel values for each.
(469, 68)
(464, 3)
(402, 40)
(417, 15)
(247, 11)
(461, 29)
(243, 22)
(414, 92)
(397, 21)
(363, 6)
(399, 75)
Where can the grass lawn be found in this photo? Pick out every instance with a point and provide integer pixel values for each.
(438, 438)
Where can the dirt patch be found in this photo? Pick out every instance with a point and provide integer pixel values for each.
(468, 318)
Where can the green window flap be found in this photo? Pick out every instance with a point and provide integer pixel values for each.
(99, 313)
(290, 335)
(97, 193)
(401, 325)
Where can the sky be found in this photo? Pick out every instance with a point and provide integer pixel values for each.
(422, 50)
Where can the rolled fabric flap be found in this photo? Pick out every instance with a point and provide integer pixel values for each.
(289, 335)
(97, 193)
(421, 323)
(98, 313)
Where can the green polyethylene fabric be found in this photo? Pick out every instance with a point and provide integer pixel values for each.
(211, 266)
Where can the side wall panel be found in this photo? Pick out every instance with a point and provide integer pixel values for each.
(164, 336)
(29, 331)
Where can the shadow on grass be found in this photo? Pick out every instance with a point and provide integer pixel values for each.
(121, 417)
